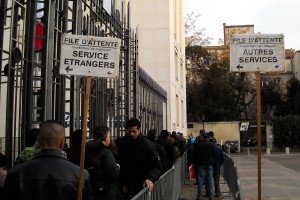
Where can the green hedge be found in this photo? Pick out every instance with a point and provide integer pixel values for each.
(286, 131)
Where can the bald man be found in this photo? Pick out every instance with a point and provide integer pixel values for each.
(49, 175)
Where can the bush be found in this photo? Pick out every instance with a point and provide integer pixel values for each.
(286, 131)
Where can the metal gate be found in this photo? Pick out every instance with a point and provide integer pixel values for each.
(32, 90)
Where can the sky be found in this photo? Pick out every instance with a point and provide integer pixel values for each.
(267, 16)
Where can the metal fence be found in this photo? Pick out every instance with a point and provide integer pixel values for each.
(231, 178)
(169, 185)
(31, 88)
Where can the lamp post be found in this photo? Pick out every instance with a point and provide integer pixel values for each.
(203, 119)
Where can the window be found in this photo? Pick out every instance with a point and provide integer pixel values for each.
(190, 126)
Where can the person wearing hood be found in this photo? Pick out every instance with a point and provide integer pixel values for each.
(101, 163)
(29, 151)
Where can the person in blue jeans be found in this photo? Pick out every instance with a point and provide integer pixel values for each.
(203, 159)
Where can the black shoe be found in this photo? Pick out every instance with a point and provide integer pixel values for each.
(206, 195)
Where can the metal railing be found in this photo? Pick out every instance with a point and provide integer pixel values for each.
(169, 184)
(231, 178)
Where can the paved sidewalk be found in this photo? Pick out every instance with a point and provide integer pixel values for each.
(280, 176)
(189, 191)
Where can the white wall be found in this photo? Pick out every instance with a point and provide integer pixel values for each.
(161, 51)
(223, 130)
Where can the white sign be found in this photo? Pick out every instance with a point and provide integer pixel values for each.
(244, 126)
(90, 56)
(257, 52)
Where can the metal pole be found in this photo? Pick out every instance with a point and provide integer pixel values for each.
(258, 85)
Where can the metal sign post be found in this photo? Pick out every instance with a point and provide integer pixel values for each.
(257, 53)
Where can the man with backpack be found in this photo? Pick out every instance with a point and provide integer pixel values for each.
(102, 166)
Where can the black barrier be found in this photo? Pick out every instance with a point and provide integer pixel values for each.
(169, 184)
(230, 174)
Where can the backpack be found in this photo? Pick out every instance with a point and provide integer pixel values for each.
(93, 165)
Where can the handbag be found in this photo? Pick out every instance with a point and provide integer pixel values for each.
(192, 172)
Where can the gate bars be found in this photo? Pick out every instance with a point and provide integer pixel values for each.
(32, 90)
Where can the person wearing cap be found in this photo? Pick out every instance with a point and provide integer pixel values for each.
(139, 160)
(104, 176)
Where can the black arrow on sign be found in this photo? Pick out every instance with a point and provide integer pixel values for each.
(68, 69)
(239, 67)
(276, 66)
(109, 73)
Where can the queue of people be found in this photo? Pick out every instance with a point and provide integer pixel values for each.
(115, 170)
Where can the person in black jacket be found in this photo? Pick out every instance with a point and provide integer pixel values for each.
(3, 171)
(104, 169)
(164, 140)
(48, 175)
(219, 159)
(139, 160)
(203, 159)
(74, 151)
(151, 135)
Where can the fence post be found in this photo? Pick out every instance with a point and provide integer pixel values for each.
(268, 151)
(228, 150)
(287, 150)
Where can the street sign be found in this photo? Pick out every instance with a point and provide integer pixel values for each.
(90, 56)
(257, 53)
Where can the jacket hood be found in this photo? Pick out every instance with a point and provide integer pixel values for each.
(94, 145)
(27, 154)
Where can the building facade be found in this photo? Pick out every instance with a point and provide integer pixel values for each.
(296, 64)
(235, 29)
(160, 32)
